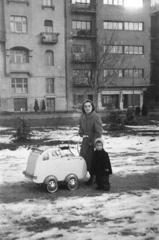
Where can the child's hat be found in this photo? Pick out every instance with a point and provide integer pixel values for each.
(99, 140)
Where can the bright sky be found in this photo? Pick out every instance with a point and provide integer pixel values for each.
(134, 3)
(115, 216)
(154, 1)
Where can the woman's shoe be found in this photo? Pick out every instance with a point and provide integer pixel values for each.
(91, 181)
(98, 188)
(88, 182)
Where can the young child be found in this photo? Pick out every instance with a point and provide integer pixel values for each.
(101, 166)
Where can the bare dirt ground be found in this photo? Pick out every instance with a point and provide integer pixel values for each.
(26, 190)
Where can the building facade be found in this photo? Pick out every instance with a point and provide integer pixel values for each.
(49, 50)
(87, 23)
(32, 55)
(155, 51)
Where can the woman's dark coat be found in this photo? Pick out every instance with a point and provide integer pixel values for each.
(91, 126)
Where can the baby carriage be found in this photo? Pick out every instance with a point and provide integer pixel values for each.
(52, 166)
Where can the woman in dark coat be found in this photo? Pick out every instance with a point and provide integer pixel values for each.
(90, 128)
(144, 110)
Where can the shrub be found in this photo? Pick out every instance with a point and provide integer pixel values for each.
(23, 132)
(130, 117)
(115, 121)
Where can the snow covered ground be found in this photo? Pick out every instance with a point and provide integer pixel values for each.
(126, 216)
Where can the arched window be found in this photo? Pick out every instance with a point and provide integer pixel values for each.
(49, 58)
(19, 55)
(48, 24)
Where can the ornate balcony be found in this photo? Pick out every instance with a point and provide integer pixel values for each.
(18, 1)
(49, 38)
(2, 36)
(83, 57)
(20, 68)
(83, 33)
(84, 8)
(48, 6)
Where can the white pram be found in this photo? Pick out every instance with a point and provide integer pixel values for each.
(52, 166)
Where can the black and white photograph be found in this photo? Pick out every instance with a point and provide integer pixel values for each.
(79, 119)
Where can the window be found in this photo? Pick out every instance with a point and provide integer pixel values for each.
(79, 48)
(19, 56)
(47, 2)
(113, 2)
(133, 50)
(113, 49)
(19, 85)
(78, 101)
(20, 104)
(81, 28)
(127, 3)
(81, 25)
(124, 49)
(81, 1)
(49, 58)
(132, 26)
(113, 73)
(139, 73)
(118, 2)
(113, 25)
(18, 24)
(82, 76)
(110, 100)
(133, 73)
(49, 85)
(48, 26)
(135, 26)
(108, 2)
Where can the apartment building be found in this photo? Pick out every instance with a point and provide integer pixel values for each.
(87, 22)
(155, 51)
(81, 42)
(32, 55)
(49, 51)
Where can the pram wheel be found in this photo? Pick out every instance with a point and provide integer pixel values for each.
(72, 182)
(51, 184)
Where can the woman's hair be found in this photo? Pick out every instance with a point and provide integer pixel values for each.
(93, 107)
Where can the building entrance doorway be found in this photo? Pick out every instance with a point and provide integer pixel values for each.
(50, 102)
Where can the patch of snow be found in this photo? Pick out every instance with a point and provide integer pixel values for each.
(113, 216)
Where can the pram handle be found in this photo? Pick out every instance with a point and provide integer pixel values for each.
(78, 150)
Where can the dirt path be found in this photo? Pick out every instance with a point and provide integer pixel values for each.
(26, 190)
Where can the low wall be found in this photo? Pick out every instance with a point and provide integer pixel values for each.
(42, 119)
(52, 119)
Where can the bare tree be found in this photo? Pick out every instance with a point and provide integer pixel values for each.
(109, 60)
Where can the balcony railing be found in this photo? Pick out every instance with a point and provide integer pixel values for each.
(83, 57)
(82, 33)
(48, 6)
(20, 68)
(81, 82)
(84, 7)
(49, 38)
(2, 36)
(18, 1)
